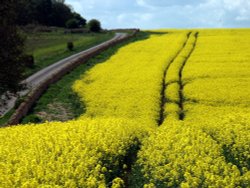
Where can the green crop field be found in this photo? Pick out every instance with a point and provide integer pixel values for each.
(169, 109)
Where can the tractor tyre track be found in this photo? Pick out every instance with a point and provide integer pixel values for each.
(163, 97)
(182, 84)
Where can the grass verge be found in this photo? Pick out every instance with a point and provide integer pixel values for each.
(49, 48)
(6, 117)
(59, 102)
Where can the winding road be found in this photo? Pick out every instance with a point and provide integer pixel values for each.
(42, 75)
(50, 70)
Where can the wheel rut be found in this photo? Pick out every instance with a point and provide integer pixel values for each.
(177, 64)
(163, 97)
(181, 94)
(129, 174)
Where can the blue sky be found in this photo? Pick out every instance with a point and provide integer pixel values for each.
(151, 14)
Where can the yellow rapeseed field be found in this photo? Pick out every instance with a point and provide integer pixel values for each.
(219, 73)
(129, 84)
(196, 82)
(211, 147)
(72, 154)
(188, 155)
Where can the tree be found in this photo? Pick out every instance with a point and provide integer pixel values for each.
(80, 19)
(34, 12)
(58, 1)
(94, 25)
(11, 50)
(43, 11)
(46, 12)
(72, 23)
(25, 12)
(61, 13)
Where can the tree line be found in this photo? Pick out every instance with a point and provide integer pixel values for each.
(23, 12)
(47, 12)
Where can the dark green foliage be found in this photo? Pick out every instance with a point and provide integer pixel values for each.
(34, 12)
(28, 61)
(94, 25)
(11, 50)
(32, 119)
(60, 14)
(80, 19)
(70, 46)
(72, 23)
(46, 12)
(43, 11)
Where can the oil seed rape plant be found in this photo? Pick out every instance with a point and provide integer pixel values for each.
(72, 154)
(85, 152)
(182, 155)
(218, 74)
(209, 148)
(128, 84)
(217, 92)
(173, 78)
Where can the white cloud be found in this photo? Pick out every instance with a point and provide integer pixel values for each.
(167, 3)
(166, 13)
(240, 8)
(141, 3)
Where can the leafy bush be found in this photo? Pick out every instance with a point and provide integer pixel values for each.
(32, 119)
(72, 23)
(70, 46)
(94, 25)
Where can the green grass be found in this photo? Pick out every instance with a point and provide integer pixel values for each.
(49, 48)
(60, 98)
(5, 118)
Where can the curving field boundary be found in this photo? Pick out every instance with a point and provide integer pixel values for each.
(40, 87)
